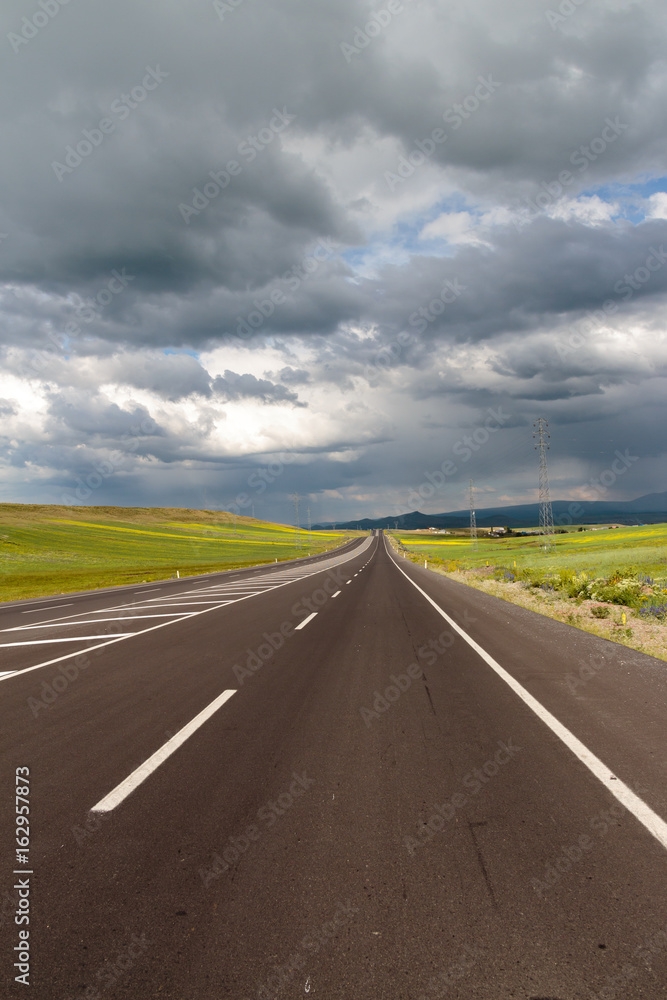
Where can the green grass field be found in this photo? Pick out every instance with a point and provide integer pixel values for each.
(625, 565)
(51, 549)
(598, 553)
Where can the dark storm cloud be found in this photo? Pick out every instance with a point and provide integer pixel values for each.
(222, 83)
(169, 172)
(232, 386)
(171, 376)
(292, 376)
(99, 417)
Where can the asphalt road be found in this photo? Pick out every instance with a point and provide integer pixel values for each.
(346, 778)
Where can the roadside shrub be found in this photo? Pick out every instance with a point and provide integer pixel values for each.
(628, 573)
(600, 611)
(578, 585)
(624, 591)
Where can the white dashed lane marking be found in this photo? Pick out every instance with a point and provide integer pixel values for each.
(306, 620)
(121, 792)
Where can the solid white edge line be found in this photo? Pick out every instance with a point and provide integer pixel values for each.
(55, 607)
(91, 649)
(71, 638)
(306, 620)
(89, 621)
(170, 602)
(655, 825)
(139, 775)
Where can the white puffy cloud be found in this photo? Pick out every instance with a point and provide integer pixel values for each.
(303, 300)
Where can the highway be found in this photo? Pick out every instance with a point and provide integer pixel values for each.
(343, 777)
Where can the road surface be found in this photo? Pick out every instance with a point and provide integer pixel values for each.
(348, 777)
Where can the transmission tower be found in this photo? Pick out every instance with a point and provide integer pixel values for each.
(546, 513)
(295, 498)
(310, 527)
(473, 516)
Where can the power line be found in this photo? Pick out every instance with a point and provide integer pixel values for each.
(546, 513)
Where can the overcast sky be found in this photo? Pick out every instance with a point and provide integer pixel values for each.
(259, 247)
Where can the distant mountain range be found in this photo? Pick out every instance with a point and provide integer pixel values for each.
(650, 509)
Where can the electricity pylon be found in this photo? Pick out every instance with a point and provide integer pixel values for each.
(546, 513)
(295, 498)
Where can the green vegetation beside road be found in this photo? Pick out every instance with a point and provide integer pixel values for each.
(52, 549)
(599, 571)
(595, 552)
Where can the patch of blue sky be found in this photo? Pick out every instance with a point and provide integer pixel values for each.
(631, 197)
(181, 350)
(404, 240)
